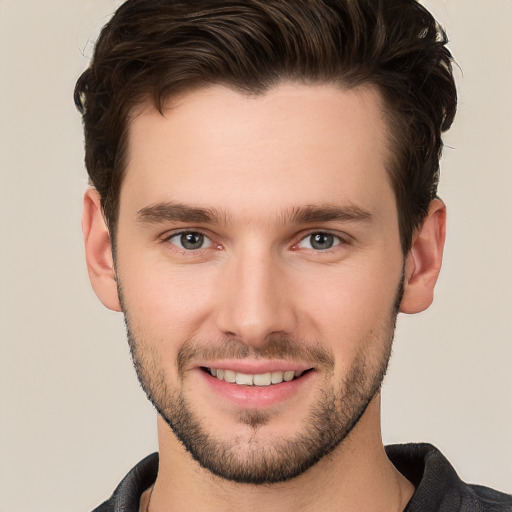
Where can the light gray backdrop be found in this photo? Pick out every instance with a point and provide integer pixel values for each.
(72, 418)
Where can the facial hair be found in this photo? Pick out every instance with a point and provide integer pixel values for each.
(327, 423)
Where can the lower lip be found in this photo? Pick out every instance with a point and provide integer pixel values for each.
(251, 397)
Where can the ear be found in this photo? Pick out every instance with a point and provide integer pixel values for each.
(423, 262)
(98, 251)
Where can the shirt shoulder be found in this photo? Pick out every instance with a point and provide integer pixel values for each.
(126, 497)
(438, 486)
(493, 500)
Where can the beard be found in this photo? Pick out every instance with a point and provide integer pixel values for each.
(255, 460)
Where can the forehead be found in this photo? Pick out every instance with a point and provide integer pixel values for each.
(293, 145)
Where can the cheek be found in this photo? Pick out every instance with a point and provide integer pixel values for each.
(167, 301)
(351, 309)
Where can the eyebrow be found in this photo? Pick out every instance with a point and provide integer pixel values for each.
(177, 212)
(309, 214)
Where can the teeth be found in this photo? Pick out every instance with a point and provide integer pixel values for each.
(277, 377)
(229, 376)
(263, 379)
(288, 376)
(243, 378)
(260, 379)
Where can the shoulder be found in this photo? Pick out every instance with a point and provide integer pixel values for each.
(126, 497)
(491, 499)
(438, 486)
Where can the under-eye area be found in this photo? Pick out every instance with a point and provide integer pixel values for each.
(260, 379)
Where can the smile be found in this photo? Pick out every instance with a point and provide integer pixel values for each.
(259, 379)
(257, 384)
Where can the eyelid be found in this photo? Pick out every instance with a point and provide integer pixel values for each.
(180, 231)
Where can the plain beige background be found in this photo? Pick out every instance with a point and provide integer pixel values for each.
(73, 420)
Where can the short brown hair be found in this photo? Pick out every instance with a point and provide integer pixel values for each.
(159, 48)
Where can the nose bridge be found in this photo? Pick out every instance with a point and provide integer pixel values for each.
(255, 302)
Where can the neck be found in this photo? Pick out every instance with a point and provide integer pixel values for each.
(356, 476)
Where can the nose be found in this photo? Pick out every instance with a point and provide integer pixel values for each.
(256, 299)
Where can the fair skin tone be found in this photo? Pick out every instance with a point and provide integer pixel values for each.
(270, 260)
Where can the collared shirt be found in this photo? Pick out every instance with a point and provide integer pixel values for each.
(438, 487)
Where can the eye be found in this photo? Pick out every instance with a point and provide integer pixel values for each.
(320, 241)
(190, 240)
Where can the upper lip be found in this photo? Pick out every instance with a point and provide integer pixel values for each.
(256, 367)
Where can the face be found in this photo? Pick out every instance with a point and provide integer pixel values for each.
(259, 268)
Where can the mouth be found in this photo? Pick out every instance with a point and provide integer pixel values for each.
(257, 385)
(259, 379)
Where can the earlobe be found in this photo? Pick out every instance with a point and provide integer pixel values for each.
(98, 251)
(423, 262)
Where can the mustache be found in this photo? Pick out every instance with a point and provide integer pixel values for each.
(275, 347)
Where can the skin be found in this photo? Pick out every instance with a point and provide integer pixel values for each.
(254, 160)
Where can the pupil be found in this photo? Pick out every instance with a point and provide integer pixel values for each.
(192, 240)
(322, 241)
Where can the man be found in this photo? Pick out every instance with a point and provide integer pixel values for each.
(264, 203)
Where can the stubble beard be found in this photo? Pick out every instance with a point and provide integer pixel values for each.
(253, 461)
